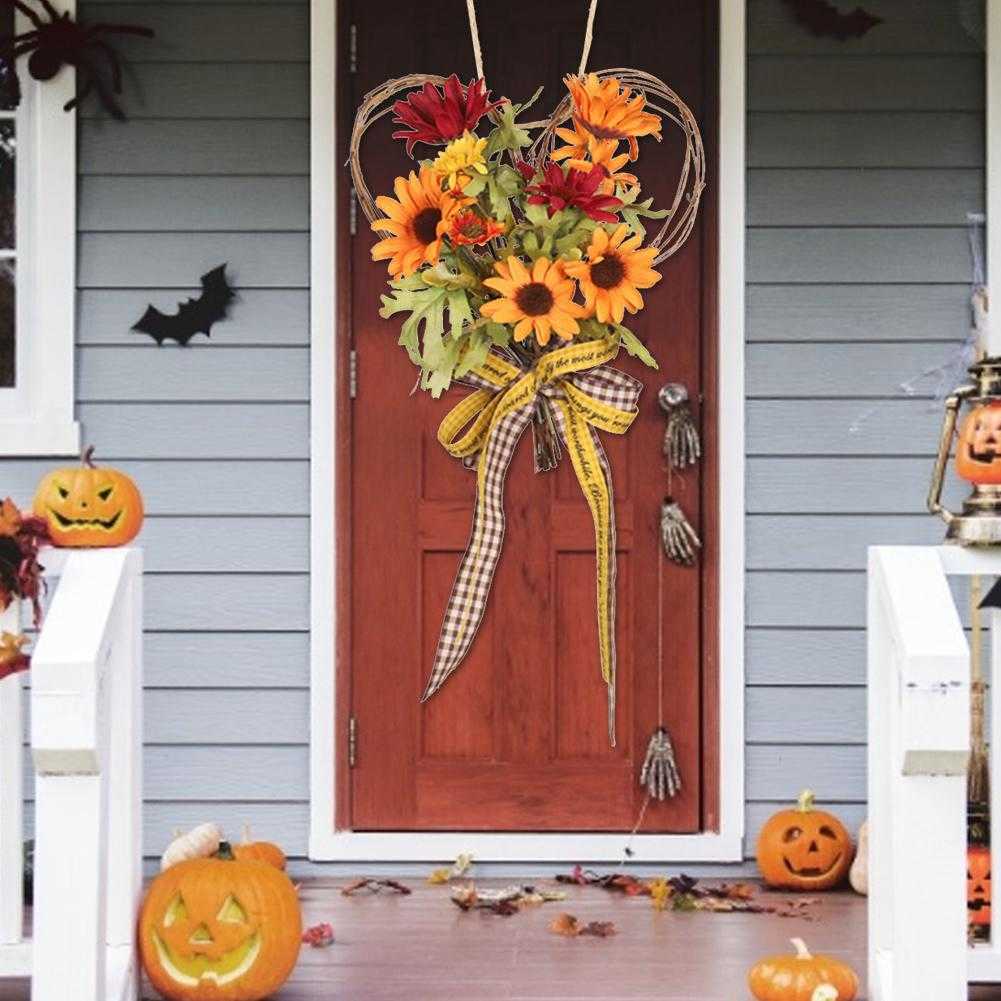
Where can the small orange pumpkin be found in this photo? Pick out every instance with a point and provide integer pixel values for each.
(216, 929)
(978, 884)
(796, 977)
(259, 851)
(804, 848)
(89, 506)
(978, 451)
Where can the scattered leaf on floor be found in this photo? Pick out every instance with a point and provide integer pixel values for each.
(570, 927)
(319, 935)
(375, 886)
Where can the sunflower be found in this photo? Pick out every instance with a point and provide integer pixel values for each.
(419, 216)
(607, 111)
(614, 272)
(539, 301)
(460, 159)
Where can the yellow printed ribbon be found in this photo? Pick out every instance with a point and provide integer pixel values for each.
(586, 396)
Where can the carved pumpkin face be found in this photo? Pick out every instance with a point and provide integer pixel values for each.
(804, 848)
(978, 452)
(220, 929)
(90, 506)
(978, 885)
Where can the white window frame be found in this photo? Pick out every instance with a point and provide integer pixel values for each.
(36, 416)
(326, 843)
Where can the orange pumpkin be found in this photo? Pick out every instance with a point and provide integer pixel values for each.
(89, 506)
(804, 848)
(978, 884)
(978, 451)
(219, 930)
(259, 851)
(796, 977)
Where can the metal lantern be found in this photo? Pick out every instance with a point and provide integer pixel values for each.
(978, 458)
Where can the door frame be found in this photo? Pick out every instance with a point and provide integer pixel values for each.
(328, 726)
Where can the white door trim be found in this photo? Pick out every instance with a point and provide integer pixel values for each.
(328, 844)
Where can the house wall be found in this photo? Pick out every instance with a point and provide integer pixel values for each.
(863, 158)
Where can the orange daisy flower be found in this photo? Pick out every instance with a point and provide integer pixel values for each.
(539, 301)
(470, 228)
(614, 272)
(418, 219)
(609, 111)
(582, 155)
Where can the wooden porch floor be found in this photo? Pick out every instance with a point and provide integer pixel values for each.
(422, 948)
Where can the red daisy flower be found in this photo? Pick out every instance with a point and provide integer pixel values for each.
(470, 228)
(575, 188)
(436, 116)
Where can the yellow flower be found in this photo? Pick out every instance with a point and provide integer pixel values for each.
(539, 301)
(460, 159)
(607, 111)
(418, 218)
(613, 273)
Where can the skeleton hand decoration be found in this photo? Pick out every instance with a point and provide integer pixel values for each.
(660, 770)
(682, 446)
(676, 533)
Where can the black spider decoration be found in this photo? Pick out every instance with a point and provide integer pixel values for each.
(60, 41)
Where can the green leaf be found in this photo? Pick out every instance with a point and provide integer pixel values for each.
(475, 185)
(459, 312)
(537, 215)
(634, 346)
(475, 353)
(498, 333)
(508, 135)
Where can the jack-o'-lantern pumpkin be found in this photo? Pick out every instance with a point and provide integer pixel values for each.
(804, 848)
(978, 884)
(215, 929)
(978, 451)
(89, 505)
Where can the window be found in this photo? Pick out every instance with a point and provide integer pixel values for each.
(37, 259)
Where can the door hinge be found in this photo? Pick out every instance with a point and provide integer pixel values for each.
(353, 213)
(352, 742)
(353, 49)
(352, 374)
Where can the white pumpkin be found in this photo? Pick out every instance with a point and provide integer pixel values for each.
(858, 876)
(200, 842)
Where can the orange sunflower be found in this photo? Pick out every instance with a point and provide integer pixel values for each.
(539, 301)
(584, 151)
(418, 219)
(614, 272)
(609, 111)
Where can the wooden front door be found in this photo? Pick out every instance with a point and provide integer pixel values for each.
(517, 738)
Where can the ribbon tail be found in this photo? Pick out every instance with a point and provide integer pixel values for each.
(594, 475)
(468, 600)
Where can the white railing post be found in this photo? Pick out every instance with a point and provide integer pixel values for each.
(11, 796)
(919, 739)
(85, 673)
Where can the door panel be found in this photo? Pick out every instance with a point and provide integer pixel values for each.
(517, 738)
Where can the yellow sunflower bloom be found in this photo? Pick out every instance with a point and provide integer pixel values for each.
(609, 111)
(418, 219)
(539, 301)
(613, 273)
(460, 159)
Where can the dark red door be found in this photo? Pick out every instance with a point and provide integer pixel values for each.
(517, 738)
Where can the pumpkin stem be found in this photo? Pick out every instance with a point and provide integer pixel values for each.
(802, 952)
(804, 804)
(225, 852)
(245, 834)
(87, 457)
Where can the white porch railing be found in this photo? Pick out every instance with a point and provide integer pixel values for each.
(919, 739)
(86, 747)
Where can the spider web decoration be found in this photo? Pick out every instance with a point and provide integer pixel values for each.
(826, 21)
(56, 40)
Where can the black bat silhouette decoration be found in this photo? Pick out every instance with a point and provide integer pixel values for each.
(194, 316)
(825, 20)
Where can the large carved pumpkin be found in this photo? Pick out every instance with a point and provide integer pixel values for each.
(89, 505)
(978, 884)
(978, 451)
(804, 848)
(219, 930)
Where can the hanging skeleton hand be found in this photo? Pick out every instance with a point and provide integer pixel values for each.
(660, 770)
(680, 540)
(682, 446)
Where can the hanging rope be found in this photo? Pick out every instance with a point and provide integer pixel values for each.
(474, 34)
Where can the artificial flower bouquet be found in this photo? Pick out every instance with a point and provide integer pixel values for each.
(525, 252)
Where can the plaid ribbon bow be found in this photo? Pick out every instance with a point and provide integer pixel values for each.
(585, 396)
